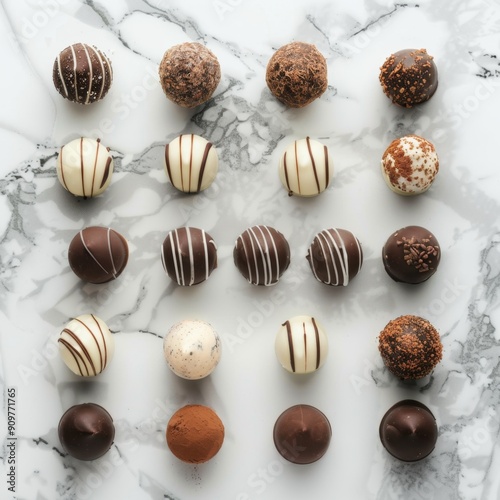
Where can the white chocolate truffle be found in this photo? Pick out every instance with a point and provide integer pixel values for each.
(84, 167)
(305, 168)
(86, 345)
(192, 349)
(191, 163)
(409, 165)
(301, 345)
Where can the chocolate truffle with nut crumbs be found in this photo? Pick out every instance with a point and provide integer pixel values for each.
(189, 74)
(297, 74)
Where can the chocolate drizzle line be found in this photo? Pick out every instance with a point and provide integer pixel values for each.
(308, 141)
(290, 344)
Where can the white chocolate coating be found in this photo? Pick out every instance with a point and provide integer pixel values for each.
(192, 349)
(409, 165)
(86, 345)
(85, 167)
(191, 163)
(301, 345)
(305, 168)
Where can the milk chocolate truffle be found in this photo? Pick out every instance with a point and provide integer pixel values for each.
(335, 257)
(189, 255)
(84, 167)
(411, 255)
(297, 74)
(189, 74)
(86, 431)
(262, 255)
(409, 77)
(195, 434)
(191, 163)
(410, 347)
(192, 349)
(301, 345)
(305, 169)
(86, 345)
(302, 434)
(408, 431)
(98, 254)
(409, 165)
(82, 73)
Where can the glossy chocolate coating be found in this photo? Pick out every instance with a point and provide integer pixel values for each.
(411, 255)
(408, 431)
(98, 254)
(86, 431)
(302, 434)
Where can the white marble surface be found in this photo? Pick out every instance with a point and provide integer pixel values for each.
(39, 293)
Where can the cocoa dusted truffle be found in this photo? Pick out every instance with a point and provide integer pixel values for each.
(410, 347)
(408, 431)
(297, 74)
(189, 74)
(411, 255)
(82, 73)
(409, 77)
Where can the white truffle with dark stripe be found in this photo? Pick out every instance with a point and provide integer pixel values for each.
(82, 73)
(189, 255)
(262, 255)
(335, 257)
(85, 167)
(191, 163)
(305, 168)
(301, 345)
(86, 345)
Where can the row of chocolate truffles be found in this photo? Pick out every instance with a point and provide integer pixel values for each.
(189, 74)
(261, 253)
(409, 166)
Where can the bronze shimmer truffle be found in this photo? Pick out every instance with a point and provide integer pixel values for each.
(410, 347)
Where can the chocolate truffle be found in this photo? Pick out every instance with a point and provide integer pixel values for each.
(301, 345)
(188, 255)
(411, 255)
(297, 74)
(86, 431)
(86, 345)
(98, 254)
(189, 74)
(191, 163)
(410, 347)
(195, 434)
(192, 349)
(409, 77)
(408, 431)
(262, 255)
(82, 73)
(302, 434)
(335, 257)
(84, 167)
(305, 168)
(409, 165)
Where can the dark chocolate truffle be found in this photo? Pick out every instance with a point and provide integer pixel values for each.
(189, 255)
(189, 74)
(410, 347)
(98, 254)
(262, 255)
(297, 74)
(411, 255)
(195, 434)
(82, 73)
(409, 77)
(302, 434)
(86, 431)
(335, 257)
(408, 431)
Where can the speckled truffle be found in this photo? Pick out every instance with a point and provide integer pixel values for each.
(297, 74)
(189, 74)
